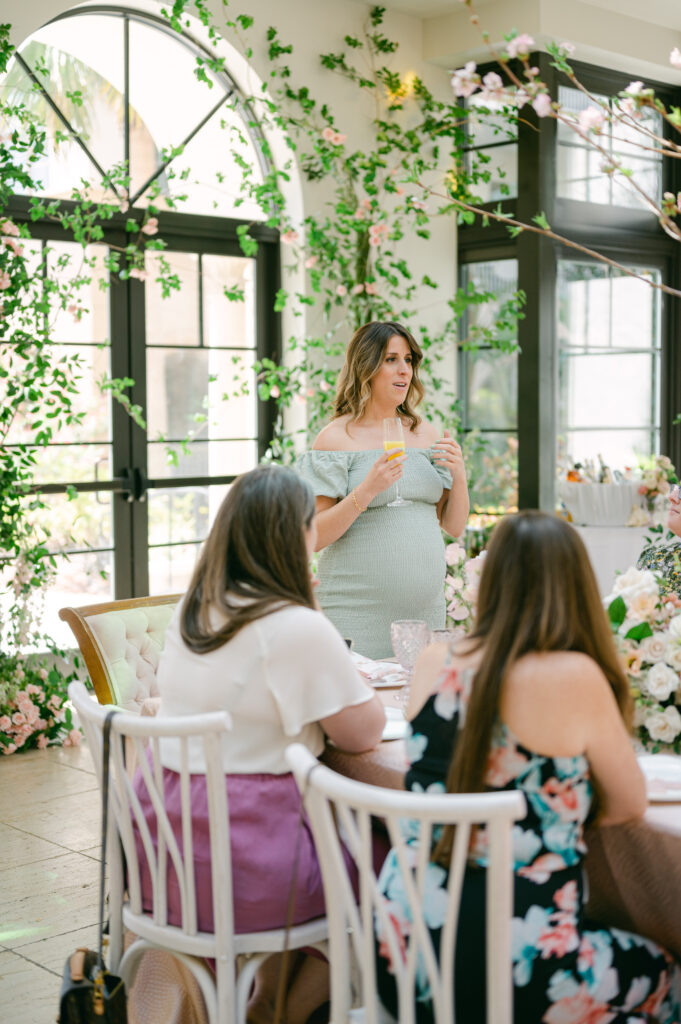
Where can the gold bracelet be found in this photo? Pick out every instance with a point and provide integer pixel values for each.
(357, 504)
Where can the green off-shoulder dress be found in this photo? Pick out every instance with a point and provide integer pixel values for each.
(390, 564)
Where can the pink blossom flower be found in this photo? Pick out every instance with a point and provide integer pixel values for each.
(274, 391)
(75, 736)
(341, 290)
(139, 273)
(14, 246)
(5, 723)
(357, 289)
(520, 46)
(311, 261)
(9, 749)
(151, 226)
(125, 206)
(493, 87)
(72, 308)
(338, 138)
(7, 227)
(366, 203)
(591, 119)
(289, 237)
(466, 80)
(675, 58)
(399, 190)
(542, 104)
(328, 134)
(18, 718)
(418, 204)
(634, 88)
(43, 675)
(324, 386)
(360, 214)
(567, 49)
(5, 280)
(370, 288)
(42, 742)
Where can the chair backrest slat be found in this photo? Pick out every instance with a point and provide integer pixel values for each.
(412, 822)
(161, 840)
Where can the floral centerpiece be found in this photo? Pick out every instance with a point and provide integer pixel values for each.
(647, 629)
(461, 587)
(657, 474)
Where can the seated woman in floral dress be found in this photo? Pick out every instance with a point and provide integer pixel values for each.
(536, 700)
(665, 559)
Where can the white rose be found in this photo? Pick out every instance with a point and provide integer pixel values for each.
(673, 656)
(661, 681)
(633, 581)
(675, 627)
(654, 648)
(664, 725)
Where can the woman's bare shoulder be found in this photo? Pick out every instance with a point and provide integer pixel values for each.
(426, 432)
(334, 436)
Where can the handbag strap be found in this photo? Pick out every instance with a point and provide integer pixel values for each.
(106, 749)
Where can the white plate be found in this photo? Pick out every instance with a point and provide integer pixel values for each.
(663, 777)
(396, 725)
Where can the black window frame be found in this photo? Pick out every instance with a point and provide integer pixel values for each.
(624, 233)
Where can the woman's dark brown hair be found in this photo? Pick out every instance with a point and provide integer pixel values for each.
(363, 360)
(537, 593)
(254, 560)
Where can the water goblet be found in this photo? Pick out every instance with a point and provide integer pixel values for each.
(408, 637)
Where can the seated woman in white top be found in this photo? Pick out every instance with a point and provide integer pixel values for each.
(248, 639)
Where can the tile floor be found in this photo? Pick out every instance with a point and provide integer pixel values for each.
(49, 853)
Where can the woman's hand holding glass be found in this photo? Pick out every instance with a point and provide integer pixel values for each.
(384, 473)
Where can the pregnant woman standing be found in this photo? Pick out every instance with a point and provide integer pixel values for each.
(380, 561)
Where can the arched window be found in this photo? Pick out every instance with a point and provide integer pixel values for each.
(118, 89)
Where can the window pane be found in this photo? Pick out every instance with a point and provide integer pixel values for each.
(171, 568)
(228, 323)
(82, 522)
(486, 121)
(496, 170)
(492, 468)
(579, 175)
(67, 264)
(619, 448)
(183, 513)
(82, 579)
(500, 279)
(79, 61)
(492, 389)
(612, 390)
(173, 319)
(166, 99)
(73, 463)
(603, 318)
(184, 382)
(204, 458)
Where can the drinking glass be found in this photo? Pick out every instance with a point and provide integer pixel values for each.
(393, 442)
(409, 637)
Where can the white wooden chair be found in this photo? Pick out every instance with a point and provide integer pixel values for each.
(237, 957)
(336, 804)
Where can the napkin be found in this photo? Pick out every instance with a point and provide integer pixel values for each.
(380, 673)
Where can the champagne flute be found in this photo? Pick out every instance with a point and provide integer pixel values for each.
(408, 637)
(393, 443)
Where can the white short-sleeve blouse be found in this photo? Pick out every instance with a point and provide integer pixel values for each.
(277, 678)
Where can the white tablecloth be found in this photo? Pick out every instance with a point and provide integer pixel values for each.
(612, 549)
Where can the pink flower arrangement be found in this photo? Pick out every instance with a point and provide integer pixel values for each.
(461, 587)
(34, 711)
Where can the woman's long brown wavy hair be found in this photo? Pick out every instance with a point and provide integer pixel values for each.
(255, 551)
(363, 359)
(537, 593)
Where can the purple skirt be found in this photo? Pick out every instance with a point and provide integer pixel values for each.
(264, 820)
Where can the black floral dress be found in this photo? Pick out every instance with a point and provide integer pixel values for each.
(665, 561)
(565, 969)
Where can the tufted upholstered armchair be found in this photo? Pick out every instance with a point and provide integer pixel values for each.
(121, 643)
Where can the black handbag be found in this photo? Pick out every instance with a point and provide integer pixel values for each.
(89, 993)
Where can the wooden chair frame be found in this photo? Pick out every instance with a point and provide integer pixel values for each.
(90, 648)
